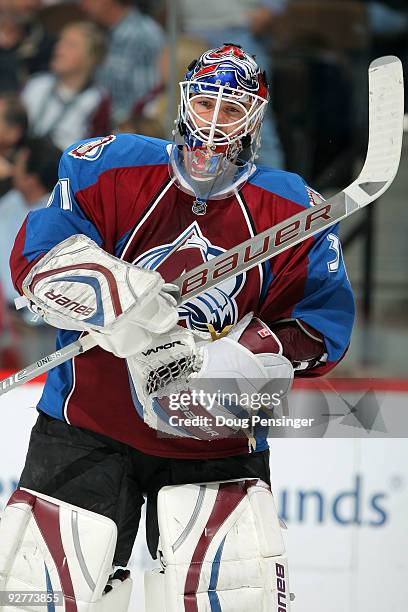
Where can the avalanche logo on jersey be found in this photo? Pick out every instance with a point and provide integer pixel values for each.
(91, 151)
(216, 306)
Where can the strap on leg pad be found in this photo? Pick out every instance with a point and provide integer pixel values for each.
(221, 548)
(49, 546)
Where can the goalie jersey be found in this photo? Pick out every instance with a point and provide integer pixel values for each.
(117, 190)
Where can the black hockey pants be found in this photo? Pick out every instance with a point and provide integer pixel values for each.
(111, 478)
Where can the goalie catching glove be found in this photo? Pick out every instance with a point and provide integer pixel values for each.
(180, 385)
(79, 286)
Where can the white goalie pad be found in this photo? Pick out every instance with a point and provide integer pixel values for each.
(77, 285)
(221, 549)
(60, 555)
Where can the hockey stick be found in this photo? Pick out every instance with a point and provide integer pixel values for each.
(386, 113)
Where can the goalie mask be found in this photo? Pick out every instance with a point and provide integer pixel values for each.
(223, 101)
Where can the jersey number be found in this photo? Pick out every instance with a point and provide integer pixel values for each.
(64, 194)
(333, 265)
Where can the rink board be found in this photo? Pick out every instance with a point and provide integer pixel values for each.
(344, 501)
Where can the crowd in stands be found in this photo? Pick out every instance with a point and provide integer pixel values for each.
(81, 68)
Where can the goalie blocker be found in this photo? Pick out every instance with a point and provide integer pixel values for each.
(79, 286)
(221, 548)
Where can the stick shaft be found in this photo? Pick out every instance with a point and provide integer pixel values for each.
(46, 363)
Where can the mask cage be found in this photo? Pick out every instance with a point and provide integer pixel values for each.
(210, 133)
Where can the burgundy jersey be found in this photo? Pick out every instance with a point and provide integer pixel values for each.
(118, 191)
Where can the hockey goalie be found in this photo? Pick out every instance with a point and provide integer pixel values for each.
(129, 215)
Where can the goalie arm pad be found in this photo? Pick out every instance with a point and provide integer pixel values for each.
(79, 286)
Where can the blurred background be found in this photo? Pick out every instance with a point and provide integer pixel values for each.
(70, 70)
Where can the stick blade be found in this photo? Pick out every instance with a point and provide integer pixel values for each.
(386, 116)
(385, 60)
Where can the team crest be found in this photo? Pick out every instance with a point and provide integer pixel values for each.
(217, 306)
(91, 151)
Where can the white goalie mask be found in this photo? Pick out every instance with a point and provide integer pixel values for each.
(223, 102)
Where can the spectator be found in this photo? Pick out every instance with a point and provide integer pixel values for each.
(130, 68)
(65, 104)
(25, 45)
(10, 68)
(154, 107)
(13, 128)
(247, 23)
(35, 174)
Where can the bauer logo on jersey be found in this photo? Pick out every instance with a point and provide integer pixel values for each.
(216, 306)
(91, 151)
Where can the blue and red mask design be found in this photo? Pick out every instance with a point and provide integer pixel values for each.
(223, 102)
(229, 66)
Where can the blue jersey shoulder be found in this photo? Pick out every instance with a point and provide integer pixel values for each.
(284, 184)
(84, 161)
